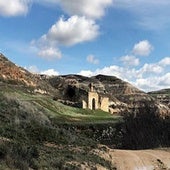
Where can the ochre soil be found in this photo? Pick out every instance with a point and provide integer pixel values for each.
(137, 160)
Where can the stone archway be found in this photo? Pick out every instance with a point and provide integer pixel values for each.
(93, 100)
(93, 104)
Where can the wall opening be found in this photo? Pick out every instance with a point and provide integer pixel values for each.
(70, 93)
(93, 104)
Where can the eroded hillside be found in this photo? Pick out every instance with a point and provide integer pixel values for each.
(12, 74)
(124, 98)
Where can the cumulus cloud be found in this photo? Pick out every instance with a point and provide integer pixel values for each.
(14, 7)
(50, 72)
(110, 70)
(91, 59)
(86, 73)
(154, 83)
(149, 77)
(143, 48)
(151, 68)
(34, 69)
(92, 9)
(68, 32)
(72, 31)
(130, 60)
(164, 80)
(165, 62)
(50, 53)
(80, 27)
(89, 8)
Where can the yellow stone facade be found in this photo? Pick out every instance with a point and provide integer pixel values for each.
(94, 101)
(104, 104)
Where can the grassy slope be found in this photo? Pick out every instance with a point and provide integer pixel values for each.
(37, 132)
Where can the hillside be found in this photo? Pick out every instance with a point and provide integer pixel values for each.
(124, 97)
(162, 96)
(72, 89)
(38, 131)
(12, 74)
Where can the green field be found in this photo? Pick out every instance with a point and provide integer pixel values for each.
(36, 104)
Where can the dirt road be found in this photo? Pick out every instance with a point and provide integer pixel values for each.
(140, 160)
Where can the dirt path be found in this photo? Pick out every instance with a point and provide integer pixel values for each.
(141, 160)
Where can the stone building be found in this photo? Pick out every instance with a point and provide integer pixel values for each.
(95, 101)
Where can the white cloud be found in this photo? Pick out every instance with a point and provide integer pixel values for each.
(34, 69)
(89, 8)
(65, 33)
(111, 70)
(14, 7)
(147, 84)
(72, 31)
(50, 53)
(165, 61)
(151, 68)
(143, 48)
(91, 59)
(80, 27)
(50, 72)
(164, 80)
(130, 60)
(148, 78)
(154, 83)
(86, 73)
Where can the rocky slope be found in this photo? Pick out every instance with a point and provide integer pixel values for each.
(163, 96)
(12, 74)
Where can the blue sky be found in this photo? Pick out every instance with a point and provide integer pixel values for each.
(124, 38)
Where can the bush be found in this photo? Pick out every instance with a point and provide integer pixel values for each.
(18, 155)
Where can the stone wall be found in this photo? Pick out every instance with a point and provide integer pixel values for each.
(94, 101)
(93, 96)
(84, 104)
(104, 104)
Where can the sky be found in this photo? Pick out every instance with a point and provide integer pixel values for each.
(129, 39)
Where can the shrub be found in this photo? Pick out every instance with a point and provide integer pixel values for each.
(19, 155)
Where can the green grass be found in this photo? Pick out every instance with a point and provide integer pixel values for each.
(54, 109)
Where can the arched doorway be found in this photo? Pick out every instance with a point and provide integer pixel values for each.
(93, 104)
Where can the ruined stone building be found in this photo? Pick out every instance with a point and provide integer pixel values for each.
(95, 101)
